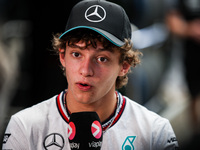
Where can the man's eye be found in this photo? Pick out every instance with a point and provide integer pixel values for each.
(102, 59)
(75, 54)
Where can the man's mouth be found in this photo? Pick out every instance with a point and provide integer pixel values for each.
(84, 86)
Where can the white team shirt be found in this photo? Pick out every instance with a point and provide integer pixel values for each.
(45, 126)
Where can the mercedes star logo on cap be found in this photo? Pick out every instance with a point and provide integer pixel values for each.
(95, 13)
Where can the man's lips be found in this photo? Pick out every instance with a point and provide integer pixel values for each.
(84, 86)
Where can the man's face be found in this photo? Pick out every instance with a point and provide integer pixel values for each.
(91, 72)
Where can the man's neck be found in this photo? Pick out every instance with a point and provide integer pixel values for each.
(104, 107)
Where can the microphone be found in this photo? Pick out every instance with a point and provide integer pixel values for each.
(85, 131)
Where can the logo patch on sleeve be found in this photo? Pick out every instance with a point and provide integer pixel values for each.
(6, 136)
(173, 139)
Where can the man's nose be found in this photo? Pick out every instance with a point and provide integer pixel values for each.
(86, 68)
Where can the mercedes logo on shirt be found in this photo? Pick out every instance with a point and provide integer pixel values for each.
(54, 141)
(95, 13)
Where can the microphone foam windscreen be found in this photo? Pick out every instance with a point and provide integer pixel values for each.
(85, 131)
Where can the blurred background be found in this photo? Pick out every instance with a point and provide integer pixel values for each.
(167, 81)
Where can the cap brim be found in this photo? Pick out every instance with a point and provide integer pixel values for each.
(107, 35)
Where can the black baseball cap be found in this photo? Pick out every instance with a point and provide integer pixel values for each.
(107, 18)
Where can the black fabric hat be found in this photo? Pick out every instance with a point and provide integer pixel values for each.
(106, 18)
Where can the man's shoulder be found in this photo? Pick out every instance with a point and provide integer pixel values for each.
(141, 111)
(37, 112)
(143, 122)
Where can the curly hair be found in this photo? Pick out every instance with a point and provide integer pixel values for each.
(90, 37)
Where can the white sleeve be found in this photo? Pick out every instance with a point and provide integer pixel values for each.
(163, 136)
(14, 137)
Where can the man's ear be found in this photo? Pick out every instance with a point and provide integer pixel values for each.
(124, 69)
(62, 56)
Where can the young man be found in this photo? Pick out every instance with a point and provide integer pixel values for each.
(96, 54)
